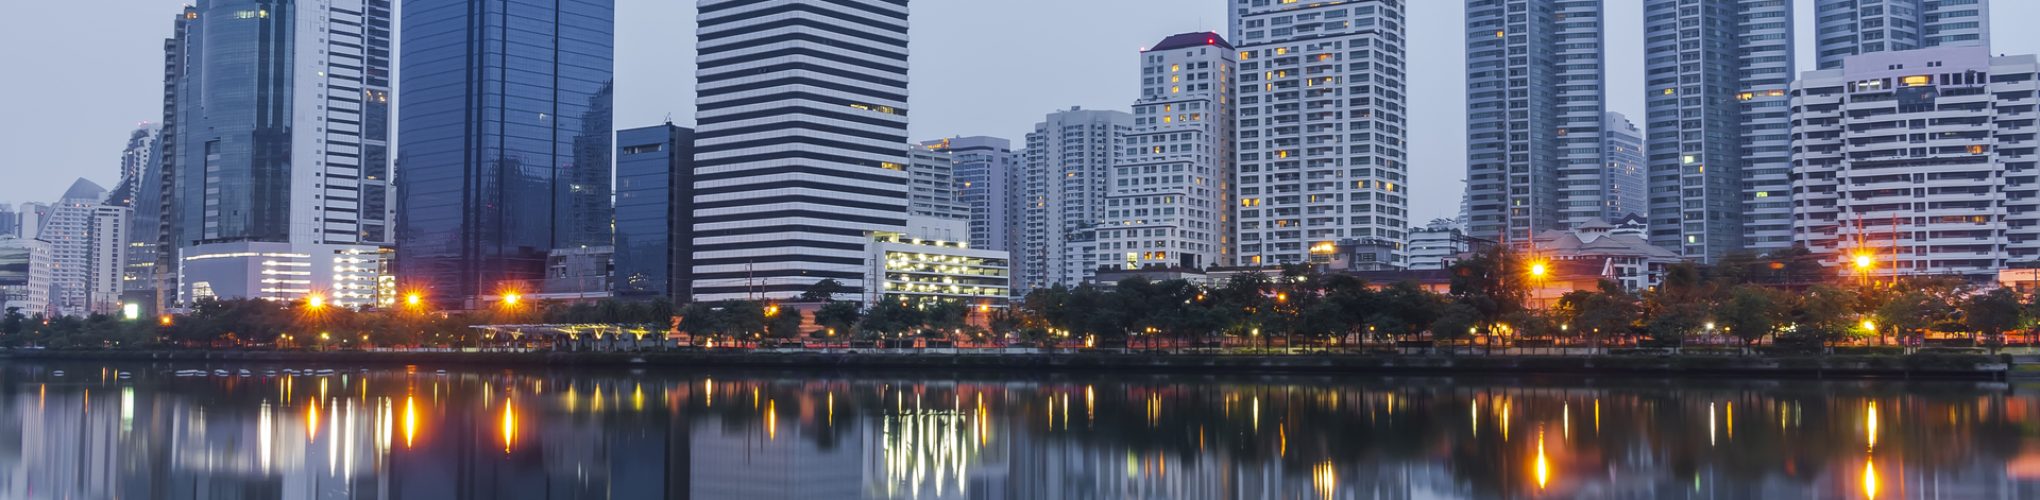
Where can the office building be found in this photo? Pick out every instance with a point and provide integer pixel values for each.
(10, 221)
(87, 240)
(134, 162)
(654, 211)
(25, 266)
(1851, 27)
(1168, 201)
(1622, 176)
(156, 211)
(988, 184)
(280, 113)
(348, 276)
(1921, 162)
(505, 133)
(1716, 74)
(1068, 175)
(140, 188)
(931, 184)
(801, 111)
(1321, 126)
(1535, 106)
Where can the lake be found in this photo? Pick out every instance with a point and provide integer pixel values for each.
(91, 431)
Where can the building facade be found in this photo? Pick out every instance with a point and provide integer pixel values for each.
(348, 276)
(1716, 75)
(1070, 156)
(988, 184)
(1168, 202)
(25, 266)
(505, 138)
(88, 241)
(1535, 104)
(280, 116)
(802, 108)
(1921, 161)
(1851, 27)
(931, 184)
(931, 262)
(1321, 126)
(1438, 244)
(654, 211)
(1623, 175)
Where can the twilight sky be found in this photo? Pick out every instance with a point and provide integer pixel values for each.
(980, 67)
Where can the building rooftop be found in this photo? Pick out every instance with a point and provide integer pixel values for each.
(1198, 39)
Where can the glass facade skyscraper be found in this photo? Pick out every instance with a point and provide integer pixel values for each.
(654, 211)
(504, 135)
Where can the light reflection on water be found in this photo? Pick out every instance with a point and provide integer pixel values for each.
(417, 434)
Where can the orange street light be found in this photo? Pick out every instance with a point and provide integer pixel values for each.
(315, 302)
(772, 310)
(414, 300)
(1539, 269)
(1864, 261)
(511, 298)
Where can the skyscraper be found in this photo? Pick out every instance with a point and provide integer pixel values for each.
(931, 184)
(1534, 109)
(1623, 175)
(1716, 75)
(1921, 161)
(139, 190)
(505, 139)
(281, 114)
(156, 209)
(654, 197)
(1168, 203)
(1068, 175)
(802, 111)
(988, 179)
(1850, 27)
(1321, 126)
(87, 239)
(134, 162)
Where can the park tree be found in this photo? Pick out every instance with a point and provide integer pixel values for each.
(1992, 313)
(1596, 314)
(1490, 285)
(1751, 312)
(825, 290)
(838, 317)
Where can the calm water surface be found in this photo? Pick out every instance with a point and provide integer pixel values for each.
(133, 432)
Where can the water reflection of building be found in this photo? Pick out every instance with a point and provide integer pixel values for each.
(777, 460)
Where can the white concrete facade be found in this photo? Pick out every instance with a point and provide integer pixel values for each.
(1321, 126)
(1169, 203)
(1922, 160)
(1070, 157)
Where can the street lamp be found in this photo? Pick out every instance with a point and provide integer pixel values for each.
(414, 300)
(315, 302)
(1538, 269)
(511, 298)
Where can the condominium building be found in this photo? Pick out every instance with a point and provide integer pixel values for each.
(1168, 202)
(1716, 75)
(506, 143)
(1321, 126)
(294, 152)
(802, 108)
(987, 177)
(931, 184)
(1851, 27)
(1919, 162)
(1535, 107)
(1070, 156)
(88, 241)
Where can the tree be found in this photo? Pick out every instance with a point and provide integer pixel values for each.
(782, 322)
(1404, 309)
(12, 324)
(1455, 321)
(1485, 283)
(1752, 312)
(1992, 314)
(1825, 313)
(890, 319)
(945, 317)
(837, 317)
(1612, 310)
(825, 290)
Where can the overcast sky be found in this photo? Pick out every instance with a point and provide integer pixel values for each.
(75, 90)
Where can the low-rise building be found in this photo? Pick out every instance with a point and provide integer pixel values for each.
(351, 276)
(25, 275)
(934, 261)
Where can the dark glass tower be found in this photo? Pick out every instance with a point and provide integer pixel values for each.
(504, 113)
(654, 211)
